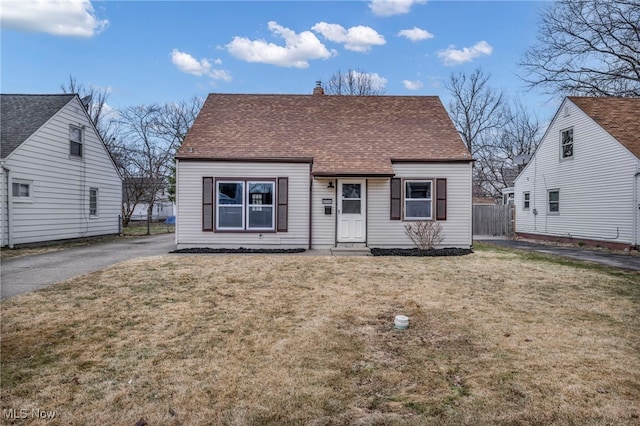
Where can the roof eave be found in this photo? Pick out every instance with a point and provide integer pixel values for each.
(249, 159)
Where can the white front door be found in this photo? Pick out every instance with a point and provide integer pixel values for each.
(352, 215)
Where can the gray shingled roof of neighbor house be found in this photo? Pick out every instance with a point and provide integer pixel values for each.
(22, 115)
(620, 117)
(341, 134)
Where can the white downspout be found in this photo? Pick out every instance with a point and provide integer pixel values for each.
(636, 209)
(9, 206)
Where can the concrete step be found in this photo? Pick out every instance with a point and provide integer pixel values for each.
(350, 251)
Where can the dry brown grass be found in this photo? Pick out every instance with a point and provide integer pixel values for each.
(494, 338)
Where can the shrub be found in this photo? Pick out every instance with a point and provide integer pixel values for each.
(424, 234)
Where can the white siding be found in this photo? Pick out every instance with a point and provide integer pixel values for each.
(60, 184)
(3, 210)
(597, 185)
(324, 226)
(189, 232)
(383, 232)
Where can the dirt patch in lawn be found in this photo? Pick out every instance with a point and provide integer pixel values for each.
(494, 338)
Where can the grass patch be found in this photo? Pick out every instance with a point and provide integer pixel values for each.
(495, 337)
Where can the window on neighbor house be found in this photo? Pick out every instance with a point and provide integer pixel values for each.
(245, 205)
(526, 201)
(93, 201)
(554, 201)
(417, 199)
(75, 141)
(21, 190)
(566, 143)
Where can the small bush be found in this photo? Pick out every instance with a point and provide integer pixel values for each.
(425, 235)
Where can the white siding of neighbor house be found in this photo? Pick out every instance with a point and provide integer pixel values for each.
(597, 186)
(189, 233)
(3, 210)
(60, 184)
(324, 226)
(383, 232)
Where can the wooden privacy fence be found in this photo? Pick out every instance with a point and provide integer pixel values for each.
(494, 220)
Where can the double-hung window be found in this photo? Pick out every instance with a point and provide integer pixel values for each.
(245, 205)
(21, 190)
(75, 141)
(526, 200)
(566, 143)
(554, 201)
(93, 202)
(417, 199)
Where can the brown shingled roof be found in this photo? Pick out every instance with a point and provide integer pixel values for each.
(341, 134)
(620, 117)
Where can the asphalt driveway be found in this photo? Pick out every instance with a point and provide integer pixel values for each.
(602, 257)
(30, 273)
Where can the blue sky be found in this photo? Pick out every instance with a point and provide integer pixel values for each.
(164, 51)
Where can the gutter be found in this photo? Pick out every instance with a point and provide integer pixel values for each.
(9, 206)
(636, 210)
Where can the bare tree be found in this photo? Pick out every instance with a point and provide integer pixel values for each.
(476, 109)
(353, 83)
(494, 130)
(149, 155)
(589, 48)
(174, 121)
(95, 100)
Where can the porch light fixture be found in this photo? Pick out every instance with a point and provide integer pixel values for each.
(330, 184)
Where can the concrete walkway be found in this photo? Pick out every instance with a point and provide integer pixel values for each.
(30, 273)
(602, 257)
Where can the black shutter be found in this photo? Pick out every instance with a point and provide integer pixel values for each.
(441, 199)
(283, 205)
(396, 199)
(207, 204)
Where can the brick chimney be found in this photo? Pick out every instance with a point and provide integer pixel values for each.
(318, 90)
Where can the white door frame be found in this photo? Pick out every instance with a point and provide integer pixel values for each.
(352, 227)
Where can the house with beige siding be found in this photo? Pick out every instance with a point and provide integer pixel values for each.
(583, 182)
(57, 178)
(319, 171)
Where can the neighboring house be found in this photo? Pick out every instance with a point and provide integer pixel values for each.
(316, 171)
(136, 196)
(583, 182)
(162, 209)
(508, 195)
(58, 180)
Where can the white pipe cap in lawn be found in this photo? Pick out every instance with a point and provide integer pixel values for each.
(401, 322)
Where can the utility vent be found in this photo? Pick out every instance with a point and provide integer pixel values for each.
(567, 111)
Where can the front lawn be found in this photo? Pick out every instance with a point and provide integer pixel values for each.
(495, 337)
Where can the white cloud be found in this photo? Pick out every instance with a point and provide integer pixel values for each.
(190, 65)
(452, 56)
(392, 7)
(357, 39)
(297, 51)
(415, 34)
(75, 18)
(412, 85)
(377, 82)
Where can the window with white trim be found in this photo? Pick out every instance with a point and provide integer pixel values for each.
(21, 190)
(93, 202)
(566, 143)
(417, 199)
(245, 205)
(554, 201)
(75, 141)
(526, 200)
